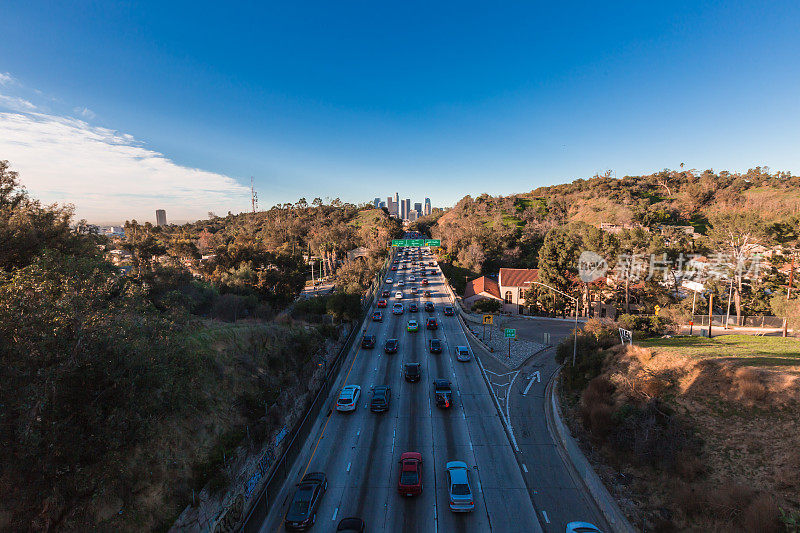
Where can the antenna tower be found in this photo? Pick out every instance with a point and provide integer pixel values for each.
(253, 194)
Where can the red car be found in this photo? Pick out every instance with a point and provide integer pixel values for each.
(381, 303)
(424, 281)
(394, 268)
(410, 483)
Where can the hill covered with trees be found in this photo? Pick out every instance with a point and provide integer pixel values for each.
(674, 212)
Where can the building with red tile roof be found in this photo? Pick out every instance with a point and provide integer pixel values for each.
(480, 289)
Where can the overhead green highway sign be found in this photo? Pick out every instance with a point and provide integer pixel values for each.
(417, 242)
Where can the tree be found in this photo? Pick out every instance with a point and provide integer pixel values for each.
(736, 234)
(558, 263)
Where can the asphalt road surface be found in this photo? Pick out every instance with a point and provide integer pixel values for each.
(360, 451)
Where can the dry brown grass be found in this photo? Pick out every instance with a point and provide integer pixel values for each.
(748, 418)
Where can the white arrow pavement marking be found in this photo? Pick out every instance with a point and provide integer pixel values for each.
(538, 379)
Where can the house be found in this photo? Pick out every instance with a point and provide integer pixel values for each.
(513, 283)
(481, 289)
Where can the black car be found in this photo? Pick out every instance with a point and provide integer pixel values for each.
(413, 308)
(391, 346)
(302, 512)
(377, 316)
(368, 341)
(381, 396)
(429, 305)
(385, 293)
(350, 525)
(435, 346)
(448, 311)
(431, 324)
(412, 372)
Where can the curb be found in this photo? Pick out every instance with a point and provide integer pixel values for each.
(579, 465)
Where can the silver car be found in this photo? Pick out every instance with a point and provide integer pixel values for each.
(458, 488)
(462, 353)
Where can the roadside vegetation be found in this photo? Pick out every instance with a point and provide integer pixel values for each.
(690, 433)
(549, 227)
(124, 394)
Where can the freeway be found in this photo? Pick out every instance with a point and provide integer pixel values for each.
(359, 451)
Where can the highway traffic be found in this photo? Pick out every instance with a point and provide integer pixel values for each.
(458, 473)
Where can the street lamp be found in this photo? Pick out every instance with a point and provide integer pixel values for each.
(575, 342)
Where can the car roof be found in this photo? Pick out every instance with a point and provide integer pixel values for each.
(458, 472)
(436, 340)
(314, 476)
(462, 348)
(441, 381)
(350, 389)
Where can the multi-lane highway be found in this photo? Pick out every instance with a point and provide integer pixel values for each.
(360, 451)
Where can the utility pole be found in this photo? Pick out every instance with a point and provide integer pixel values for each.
(710, 312)
(728, 314)
(788, 295)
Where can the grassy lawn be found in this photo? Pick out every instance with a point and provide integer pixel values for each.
(744, 349)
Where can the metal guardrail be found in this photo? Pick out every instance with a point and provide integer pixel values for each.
(260, 508)
(747, 321)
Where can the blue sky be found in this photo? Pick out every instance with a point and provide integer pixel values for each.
(362, 99)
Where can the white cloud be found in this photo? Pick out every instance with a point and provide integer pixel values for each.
(7, 79)
(85, 112)
(16, 103)
(108, 175)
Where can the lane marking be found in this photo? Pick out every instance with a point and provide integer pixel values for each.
(525, 392)
(544, 513)
(525, 468)
(348, 467)
(334, 515)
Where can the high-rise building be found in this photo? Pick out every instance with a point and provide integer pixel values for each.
(413, 216)
(376, 203)
(403, 211)
(391, 206)
(407, 201)
(418, 209)
(397, 200)
(161, 217)
(427, 207)
(382, 205)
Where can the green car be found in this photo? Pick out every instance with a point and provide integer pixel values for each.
(412, 325)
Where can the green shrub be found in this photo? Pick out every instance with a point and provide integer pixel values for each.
(487, 305)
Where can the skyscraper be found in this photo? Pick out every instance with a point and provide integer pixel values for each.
(418, 209)
(403, 210)
(376, 203)
(161, 217)
(391, 206)
(427, 207)
(407, 201)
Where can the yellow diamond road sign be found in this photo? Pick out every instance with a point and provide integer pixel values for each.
(487, 319)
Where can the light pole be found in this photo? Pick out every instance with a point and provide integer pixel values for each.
(575, 341)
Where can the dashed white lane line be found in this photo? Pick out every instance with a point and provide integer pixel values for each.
(544, 513)
(348, 467)
(525, 468)
(334, 515)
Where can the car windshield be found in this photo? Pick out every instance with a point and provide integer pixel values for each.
(301, 503)
(460, 489)
(408, 478)
(435, 344)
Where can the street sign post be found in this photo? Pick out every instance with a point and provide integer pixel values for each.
(510, 334)
(487, 319)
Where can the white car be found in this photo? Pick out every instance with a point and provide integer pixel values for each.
(582, 527)
(412, 278)
(389, 280)
(348, 398)
(398, 295)
(462, 353)
(458, 488)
